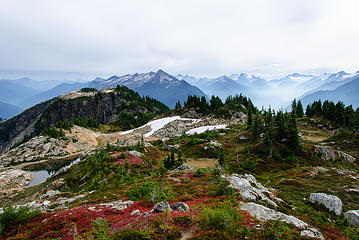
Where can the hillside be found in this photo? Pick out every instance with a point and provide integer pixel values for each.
(205, 171)
(347, 93)
(13, 92)
(106, 106)
(8, 110)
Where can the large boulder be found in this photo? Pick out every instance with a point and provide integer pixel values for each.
(180, 206)
(325, 152)
(265, 214)
(346, 157)
(251, 190)
(331, 202)
(161, 207)
(184, 166)
(353, 217)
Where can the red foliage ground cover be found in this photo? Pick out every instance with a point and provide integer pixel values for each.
(132, 160)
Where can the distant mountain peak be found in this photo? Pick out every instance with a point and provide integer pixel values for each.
(114, 77)
(160, 71)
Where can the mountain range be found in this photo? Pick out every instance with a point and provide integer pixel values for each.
(159, 85)
(347, 92)
(23, 93)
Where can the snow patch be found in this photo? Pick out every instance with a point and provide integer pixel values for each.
(205, 128)
(159, 123)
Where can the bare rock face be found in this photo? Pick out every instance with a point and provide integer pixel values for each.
(353, 217)
(14, 179)
(37, 148)
(251, 190)
(331, 202)
(325, 152)
(265, 214)
(346, 157)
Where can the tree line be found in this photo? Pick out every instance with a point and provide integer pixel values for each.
(216, 106)
(339, 114)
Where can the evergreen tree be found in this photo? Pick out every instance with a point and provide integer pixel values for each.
(269, 143)
(221, 159)
(294, 107)
(256, 127)
(293, 137)
(250, 117)
(178, 105)
(172, 162)
(300, 110)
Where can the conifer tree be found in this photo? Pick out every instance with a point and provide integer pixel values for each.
(256, 127)
(269, 143)
(300, 110)
(294, 107)
(293, 137)
(178, 105)
(172, 161)
(250, 117)
(221, 159)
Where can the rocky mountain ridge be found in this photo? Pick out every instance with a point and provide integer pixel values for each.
(102, 106)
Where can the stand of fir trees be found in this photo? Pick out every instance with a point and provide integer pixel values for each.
(339, 114)
(217, 107)
(274, 129)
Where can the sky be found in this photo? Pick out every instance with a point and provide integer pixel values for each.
(268, 38)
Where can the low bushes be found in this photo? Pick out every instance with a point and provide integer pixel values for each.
(13, 216)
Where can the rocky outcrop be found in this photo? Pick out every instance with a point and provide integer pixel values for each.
(184, 166)
(328, 154)
(14, 178)
(37, 148)
(180, 206)
(104, 107)
(178, 127)
(325, 152)
(265, 214)
(331, 202)
(161, 207)
(346, 157)
(119, 205)
(135, 212)
(251, 190)
(353, 217)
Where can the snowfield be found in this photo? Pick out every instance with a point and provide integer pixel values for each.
(158, 124)
(205, 128)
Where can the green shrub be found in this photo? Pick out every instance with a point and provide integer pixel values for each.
(65, 124)
(130, 234)
(87, 89)
(200, 172)
(278, 230)
(183, 220)
(13, 216)
(250, 164)
(223, 189)
(221, 218)
(150, 191)
(100, 229)
(53, 132)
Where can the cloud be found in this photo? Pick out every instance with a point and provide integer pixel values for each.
(197, 37)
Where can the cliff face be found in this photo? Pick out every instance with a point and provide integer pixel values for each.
(103, 106)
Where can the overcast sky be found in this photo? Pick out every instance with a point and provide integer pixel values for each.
(198, 37)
